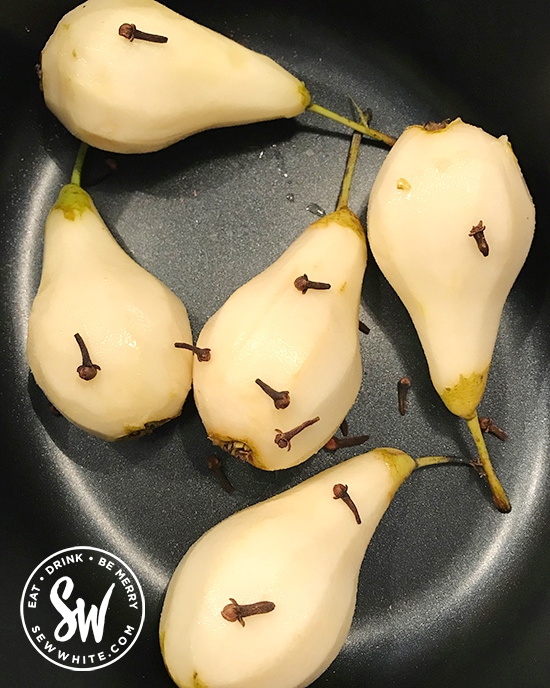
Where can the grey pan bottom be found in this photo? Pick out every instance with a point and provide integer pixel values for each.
(451, 592)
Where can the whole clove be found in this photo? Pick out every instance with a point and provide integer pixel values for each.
(130, 32)
(302, 283)
(202, 355)
(478, 232)
(280, 399)
(344, 427)
(341, 492)
(340, 442)
(487, 425)
(87, 370)
(282, 439)
(238, 612)
(403, 387)
(215, 465)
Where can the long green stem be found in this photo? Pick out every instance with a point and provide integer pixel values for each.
(500, 499)
(434, 460)
(362, 128)
(353, 154)
(79, 163)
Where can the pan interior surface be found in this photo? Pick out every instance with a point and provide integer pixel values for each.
(451, 592)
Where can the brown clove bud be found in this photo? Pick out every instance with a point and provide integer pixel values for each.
(340, 442)
(238, 612)
(478, 233)
(88, 370)
(487, 425)
(282, 439)
(202, 354)
(215, 465)
(54, 411)
(403, 387)
(341, 492)
(363, 328)
(344, 427)
(130, 32)
(280, 399)
(302, 284)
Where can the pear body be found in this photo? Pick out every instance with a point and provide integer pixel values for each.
(301, 550)
(433, 188)
(128, 319)
(306, 344)
(137, 96)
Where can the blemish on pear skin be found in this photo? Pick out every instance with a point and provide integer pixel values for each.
(198, 682)
(434, 127)
(142, 430)
(237, 448)
(403, 184)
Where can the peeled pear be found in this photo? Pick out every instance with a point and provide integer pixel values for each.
(298, 554)
(305, 345)
(127, 94)
(450, 222)
(128, 321)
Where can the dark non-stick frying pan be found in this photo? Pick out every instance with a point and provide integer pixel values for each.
(452, 593)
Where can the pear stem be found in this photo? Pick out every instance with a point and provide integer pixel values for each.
(435, 460)
(500, 499)
(79, 163)
(353, 154)
(362, 128)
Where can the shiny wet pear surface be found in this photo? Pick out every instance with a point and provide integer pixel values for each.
(303, 343)
(137, 96)
(301, 550)
(432, 189)
(127, 319)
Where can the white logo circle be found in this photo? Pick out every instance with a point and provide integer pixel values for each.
(82, 608)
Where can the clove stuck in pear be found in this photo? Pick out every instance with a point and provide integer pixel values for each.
(285, 365)
(102, 329)
(450, 222)
(133, 76)
(265, 599)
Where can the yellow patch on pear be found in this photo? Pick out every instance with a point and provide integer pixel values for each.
(464, 398)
